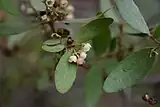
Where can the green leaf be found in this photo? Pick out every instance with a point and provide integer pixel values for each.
(129, 71)
(157, 32)
(112, 45)
(43, 81)
(112, 13)
(55, 48)
(93, 86)
(52, 42)
(94, 28)
(14, 25)
(110, 64)
(65, 73)
(131, 14)
(102, 41)
(10, 6)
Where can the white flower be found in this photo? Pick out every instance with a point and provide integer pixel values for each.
(50, 3)
(30, 11)
(70, 16)
(23, 7)
(86, 47)
(70, 9)
(44, 17)
(80, 61)
(83, 55)
(63, 3)
(72, 58)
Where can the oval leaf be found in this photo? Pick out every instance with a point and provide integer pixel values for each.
(65, 73)
(55, 48)
(131, 14)
(52, 42)
(101, 41)
(93, 28)
(93, 86)
(129, 71)
(112, 13)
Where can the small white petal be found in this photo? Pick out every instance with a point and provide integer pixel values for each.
(83, 55)
(72, 59)
(30, 11)
(86, 47)
(70, 9)
(70, 16)
(23, 7)
(80, 61)
(63, 3)
(50, 3)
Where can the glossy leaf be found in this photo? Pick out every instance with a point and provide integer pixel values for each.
(131, 14)
(55, 48)
(52, 42)
(94, 28)
(65, 73)
(93, 86)
(129, 71)
(14, 25)
(157, 32)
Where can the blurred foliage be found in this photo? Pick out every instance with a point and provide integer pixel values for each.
(42, 57)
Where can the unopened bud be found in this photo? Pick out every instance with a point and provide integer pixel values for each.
(72, 58)
(83, 55)
(80, 61)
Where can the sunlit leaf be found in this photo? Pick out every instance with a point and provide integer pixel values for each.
(94, 28)
(93, 86)
(129, 71)
(55, 48)
(131, 14)
(65, 73)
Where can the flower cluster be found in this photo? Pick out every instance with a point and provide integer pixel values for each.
(80, 56)
(57, 10)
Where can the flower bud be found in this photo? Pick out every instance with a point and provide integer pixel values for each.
(70, 9)
(86, 47)
(80, 61)
(72, 58)
(63, 3)
(83, 55)
(69, 16)
(50, 3)
(44, 17)
(30, 11)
